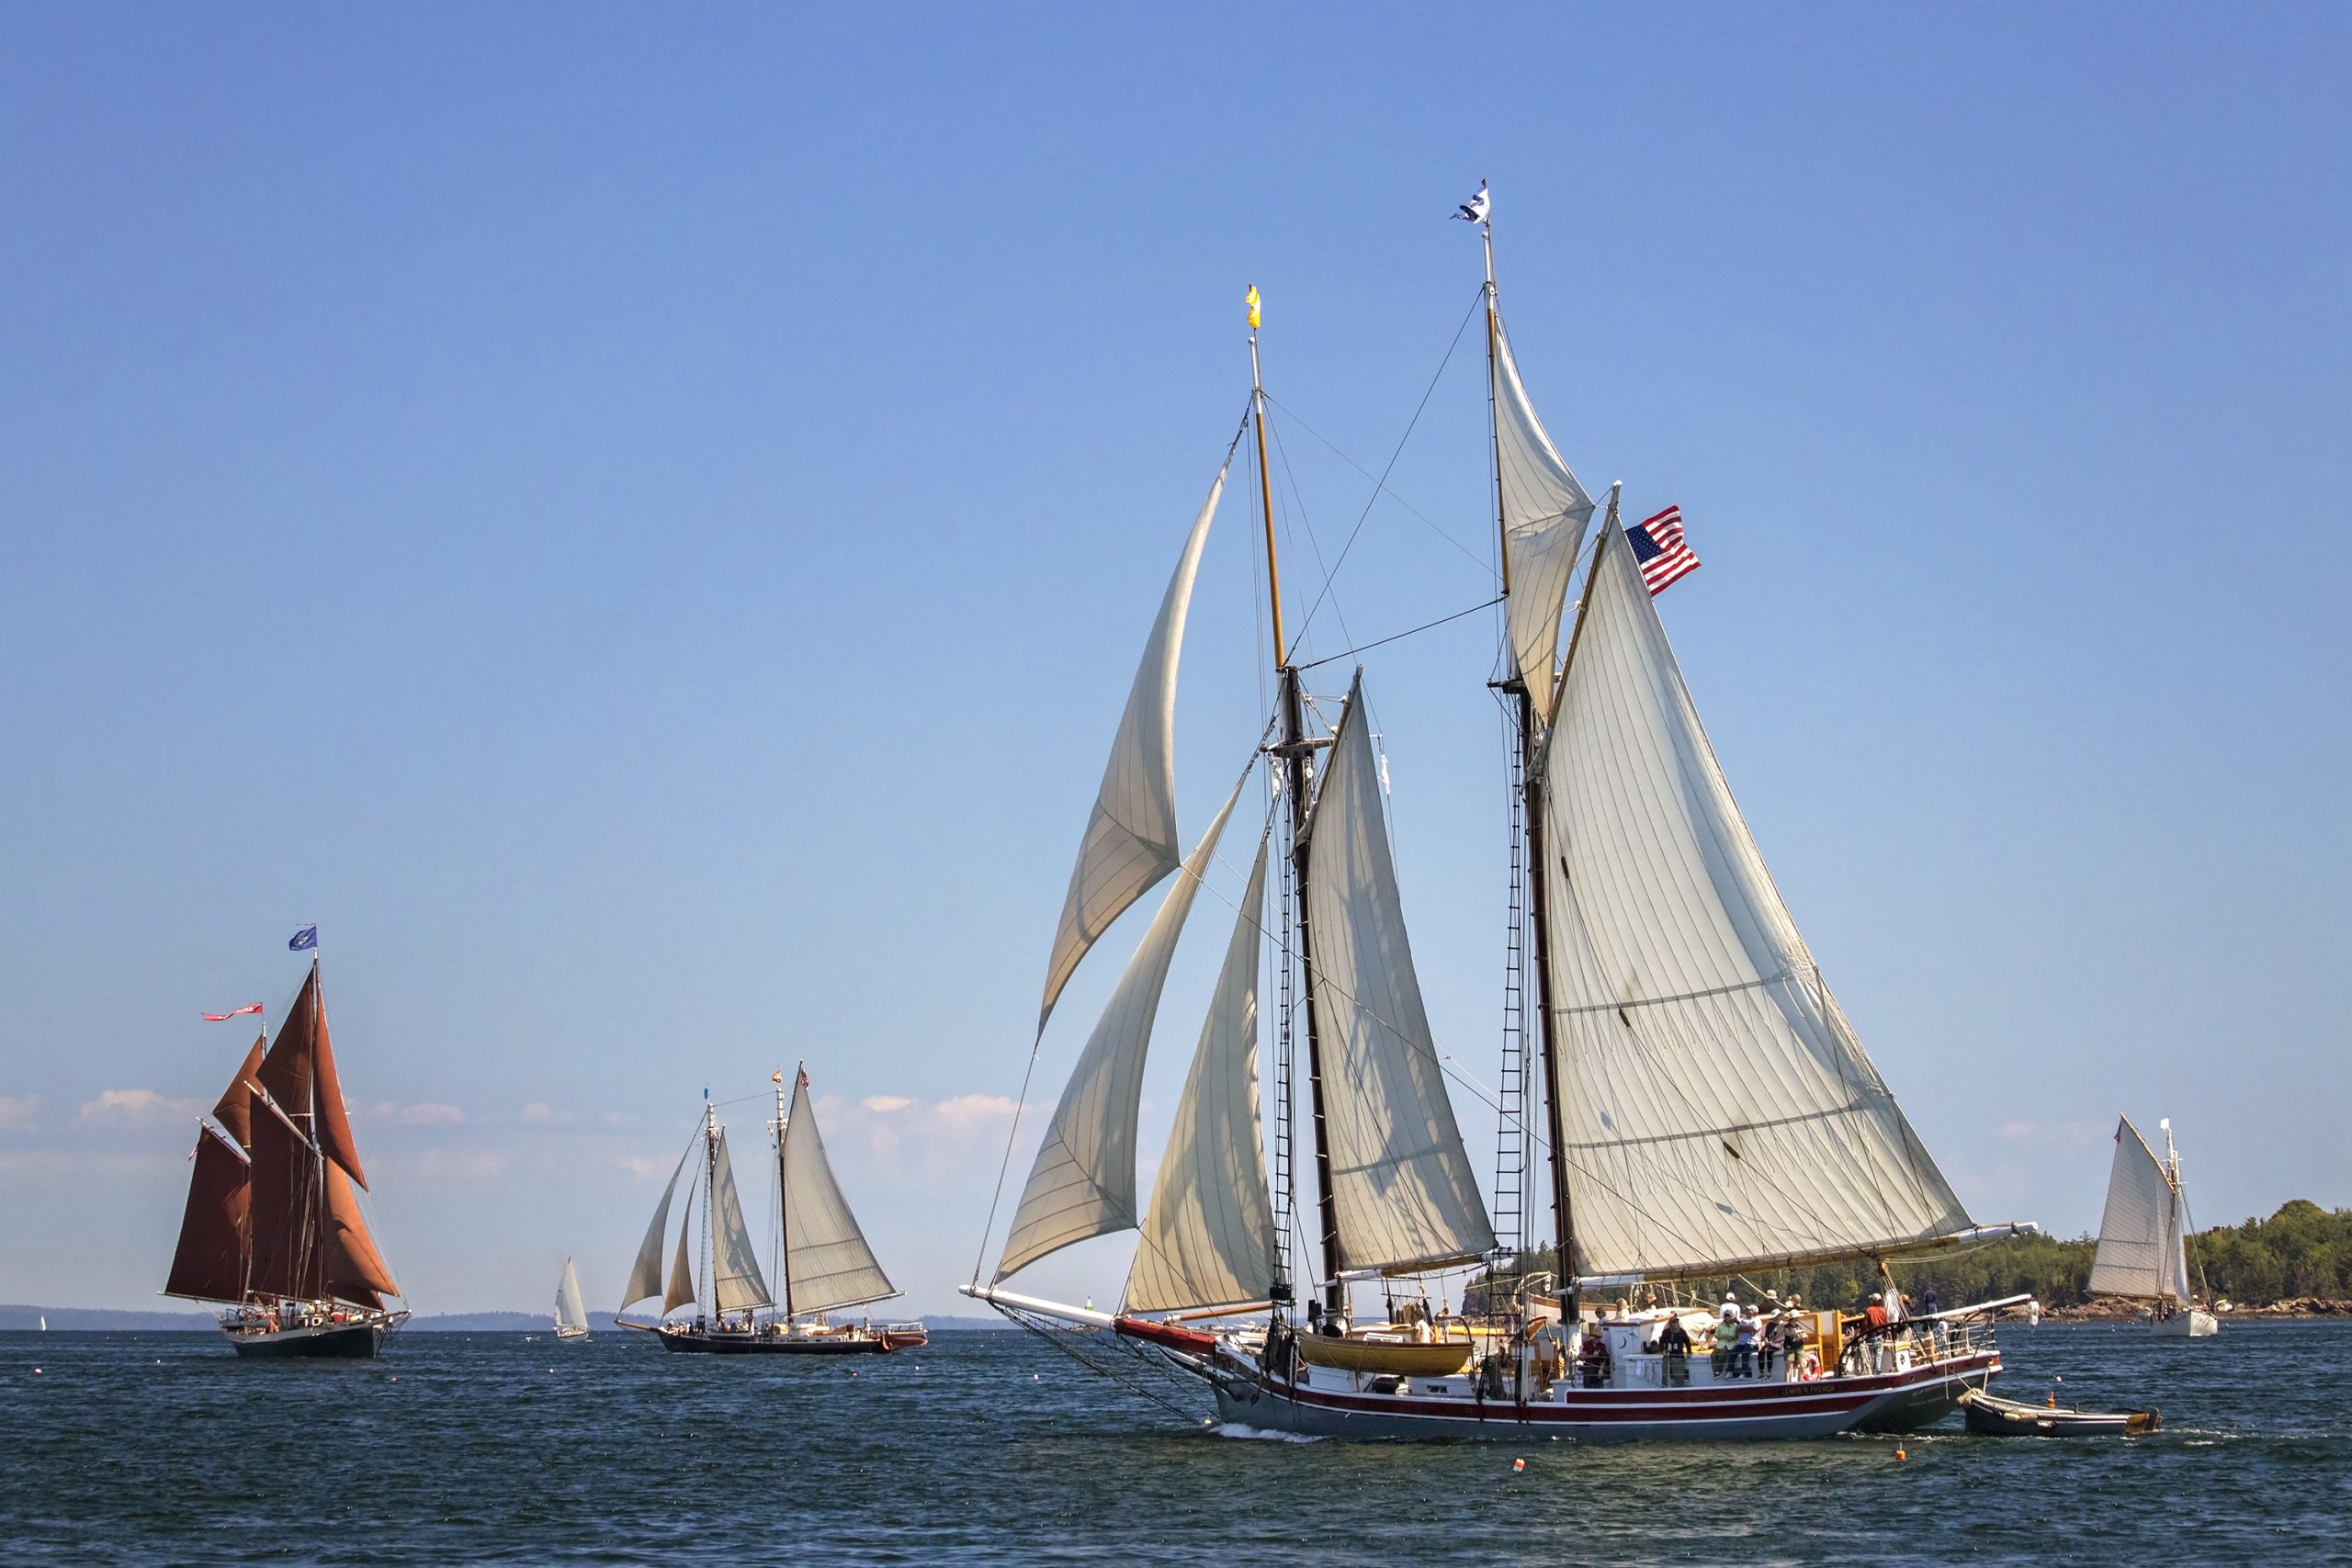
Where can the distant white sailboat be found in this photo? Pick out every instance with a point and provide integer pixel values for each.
(571, 1308)
(2142, 1238)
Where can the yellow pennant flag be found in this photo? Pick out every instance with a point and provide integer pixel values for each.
(1253, 298)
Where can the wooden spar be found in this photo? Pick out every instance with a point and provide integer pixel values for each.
(1298, 775)
(783, 1199)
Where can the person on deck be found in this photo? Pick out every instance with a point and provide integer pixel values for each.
(1874, 1321)
(1727, 1340)
(1743, 1352)
(1592, 1359)
(1674, 1344)
(1795, 1330)
(1768, 1343)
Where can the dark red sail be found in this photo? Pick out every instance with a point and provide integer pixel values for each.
(210, 1262)
(285, 1228)
(332, 1126)
(286, 1071)
(234, 1110)
(355, 1270)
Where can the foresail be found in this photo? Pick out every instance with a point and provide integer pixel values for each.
(737, 1284)
(1546, 512)
(1130, 841)
(681, 1289)
(1718, 1111)
(1401, 1181)
(2138, 1234)
(827, 1263)
(1208, 1237)
(1084, 1181)
(645, 1277)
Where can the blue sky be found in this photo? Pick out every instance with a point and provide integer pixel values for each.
(639, 523)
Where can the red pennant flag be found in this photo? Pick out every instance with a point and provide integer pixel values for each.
(225, 1017)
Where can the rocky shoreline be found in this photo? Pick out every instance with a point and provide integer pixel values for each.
(2293, 1309)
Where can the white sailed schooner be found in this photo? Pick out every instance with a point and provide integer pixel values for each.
(2143, 1235)
(823, 1263)
(1700, 1104)
(570, 1307)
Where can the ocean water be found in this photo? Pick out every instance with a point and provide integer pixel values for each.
(994, 1446)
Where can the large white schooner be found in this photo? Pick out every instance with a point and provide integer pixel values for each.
(1704, 1107)
(823, 1263)
(2144, 1237)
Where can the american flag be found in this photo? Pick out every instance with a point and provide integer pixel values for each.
(1659, 551)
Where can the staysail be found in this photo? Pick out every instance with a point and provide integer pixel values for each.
(645, 1277)
(826, 1262)
(570, 1307)
(1718, 1112)
(209, 1262)
(1544, 513)
(1401, 1181)
(1084, 1181)
(1130, 841)
(736, 1282)
(2143, 1248)
(1208, 1238)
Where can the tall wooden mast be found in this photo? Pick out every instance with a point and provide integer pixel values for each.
(1294, 752)
(783, 1197)
(1538, 880)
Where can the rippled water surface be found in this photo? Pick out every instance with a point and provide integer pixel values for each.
(991, 1446)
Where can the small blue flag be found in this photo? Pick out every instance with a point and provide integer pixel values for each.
(307, 937)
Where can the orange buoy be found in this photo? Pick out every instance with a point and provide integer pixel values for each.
(1899, 1453)
(1517, 1465)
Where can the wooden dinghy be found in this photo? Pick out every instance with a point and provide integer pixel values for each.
(1390, 1349)
(1990, 1417)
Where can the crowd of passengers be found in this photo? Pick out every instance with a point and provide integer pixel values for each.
(1772, 1343)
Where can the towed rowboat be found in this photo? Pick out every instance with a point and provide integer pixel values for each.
(1991, 1416)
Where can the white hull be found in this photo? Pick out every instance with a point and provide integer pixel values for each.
(2194, 1323)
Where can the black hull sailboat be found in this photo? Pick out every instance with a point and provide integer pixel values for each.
(273, 1228)
(823, 1264)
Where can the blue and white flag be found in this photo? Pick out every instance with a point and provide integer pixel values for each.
(1474, 210)
(303, 939)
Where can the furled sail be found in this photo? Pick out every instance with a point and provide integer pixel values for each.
(285, 1210)
(681, 1289)
(735, 1282)
(352, 1268)
(570, 1307)
(234, 1110)
(1718, 1112)
(645, 1277)
(1208, 1237)
(1130, 839)
(209, 1262)
(1546, 512)
(2142, 1251)
(1401, 1181)
(299, 1074)
(1084, 1181)
(826, 1262)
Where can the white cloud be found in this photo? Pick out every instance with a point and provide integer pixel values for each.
(883, 1104)
(138, 1107)
(539, 1113)
(16, 1111)
(967, 1111)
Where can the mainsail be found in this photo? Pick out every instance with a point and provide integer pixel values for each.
(1718, 1112)
(735, 1282)
(1401, 1181)
(1084, 1181)
(1208, 1238)
(285, 1254)
(1544, 513)
(826, 1262)
(1130, 841)
(570, 1307)
(2143, 1245)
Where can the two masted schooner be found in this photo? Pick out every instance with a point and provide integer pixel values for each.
(273, 1227)
(823, 1263)
(1676, 1076)
(2144, 1237)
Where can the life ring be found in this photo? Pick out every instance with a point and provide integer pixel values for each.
(1811, 1370)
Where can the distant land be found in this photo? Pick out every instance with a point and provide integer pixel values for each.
(99, 1320)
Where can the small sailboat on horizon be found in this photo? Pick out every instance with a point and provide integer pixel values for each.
(823, 1263)
(2144, 1237)
(570, 1307)
(273, 1227)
